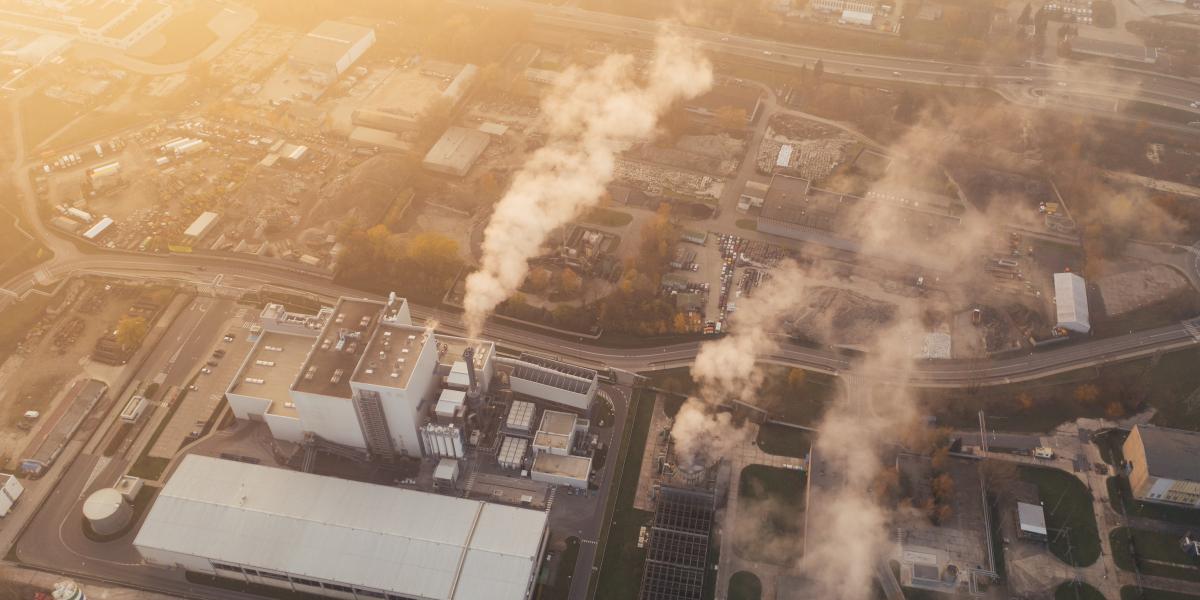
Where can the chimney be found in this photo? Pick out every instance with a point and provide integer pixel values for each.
(469, 358)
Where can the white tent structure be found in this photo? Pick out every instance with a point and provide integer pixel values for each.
(1070, 302)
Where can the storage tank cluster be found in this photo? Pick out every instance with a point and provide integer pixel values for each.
(107, 512)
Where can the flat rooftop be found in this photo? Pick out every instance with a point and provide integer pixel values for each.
(458, 148)
(391, 355)
(451, 347)
(272, 368)
(575, 467)
(1171, 453)
(556, 422)
(377, 537)
(328, 42)
(339, 349)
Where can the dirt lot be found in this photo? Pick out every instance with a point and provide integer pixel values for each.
(60, 346)
(849, 317)
(1131, 290)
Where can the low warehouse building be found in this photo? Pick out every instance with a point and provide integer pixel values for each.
(331, 48)
(556, 469)
(1070, 302)
(456, 151)
(339, 538)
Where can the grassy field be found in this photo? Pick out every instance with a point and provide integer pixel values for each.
(1077, 591)
(773, 501)
(782, 440)
(744, 585)
(186, 34)
(1149, 550)
(607, 217)
(42, 116)
(1074, 537)
(1131, 592)
(620, 574)
(1166, 385)
(1123, 502)
(560, 587)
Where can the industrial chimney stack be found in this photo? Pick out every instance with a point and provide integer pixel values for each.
(472, 377)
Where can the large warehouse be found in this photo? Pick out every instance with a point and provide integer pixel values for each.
(339, 538)
(331, 48)
(1070, 302)
(1163, 465)
(456, 151)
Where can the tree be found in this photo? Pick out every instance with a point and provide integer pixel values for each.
(570, 281)
(942, 487)
(1000, 477)
(939, 458)
(1086, 393)
(1024, 401)
(730, 118)
(131, 331)
(538, 279)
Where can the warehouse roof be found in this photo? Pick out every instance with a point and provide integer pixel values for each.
(1032, 517)
(1171, 453)
(1070, 301)
(328, 42)
(401, 541)
(457, 149)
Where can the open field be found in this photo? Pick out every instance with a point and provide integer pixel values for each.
(1074, 536)
(1077, 591)
(1130, 592)
(768, 526)
(1152, 553)
(782, 440)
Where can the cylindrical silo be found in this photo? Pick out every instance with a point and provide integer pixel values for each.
(107, 512)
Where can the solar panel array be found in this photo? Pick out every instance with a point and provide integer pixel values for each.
(551, 378)
(561, 367)
(678, 550)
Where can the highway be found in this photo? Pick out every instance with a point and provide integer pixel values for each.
(1023, 83)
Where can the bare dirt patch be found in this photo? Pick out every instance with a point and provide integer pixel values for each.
(1131, 290)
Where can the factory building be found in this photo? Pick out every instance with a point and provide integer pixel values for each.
(330, 49)
(553, 381)
(1070, 302)
(1031, 521)
(361, 375)
(114, 23)
(339, 538)
(1162, 465)
(456, 151)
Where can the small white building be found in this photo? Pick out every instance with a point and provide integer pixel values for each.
(1032, 521)
(556, 469)
(10, 490)
(1070, 302)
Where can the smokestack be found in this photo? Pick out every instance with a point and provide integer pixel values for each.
(469, 358)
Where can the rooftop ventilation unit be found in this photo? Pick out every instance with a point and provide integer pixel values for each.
(255, 380)
(310, 373)
(337, 375)
(264, 363)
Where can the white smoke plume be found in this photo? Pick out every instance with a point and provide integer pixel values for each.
(728, 368)
(593, 115)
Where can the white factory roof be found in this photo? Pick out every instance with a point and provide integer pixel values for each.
(520, 416)
(1070, 302)
(401, 541)
(202, 222)
(1032, 517)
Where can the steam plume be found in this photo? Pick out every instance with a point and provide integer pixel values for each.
(592, 116)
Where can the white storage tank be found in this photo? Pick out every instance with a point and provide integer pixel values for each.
(107, 512)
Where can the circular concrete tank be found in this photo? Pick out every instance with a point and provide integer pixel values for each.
(107, 512)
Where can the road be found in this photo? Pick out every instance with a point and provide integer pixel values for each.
(1094, 81)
